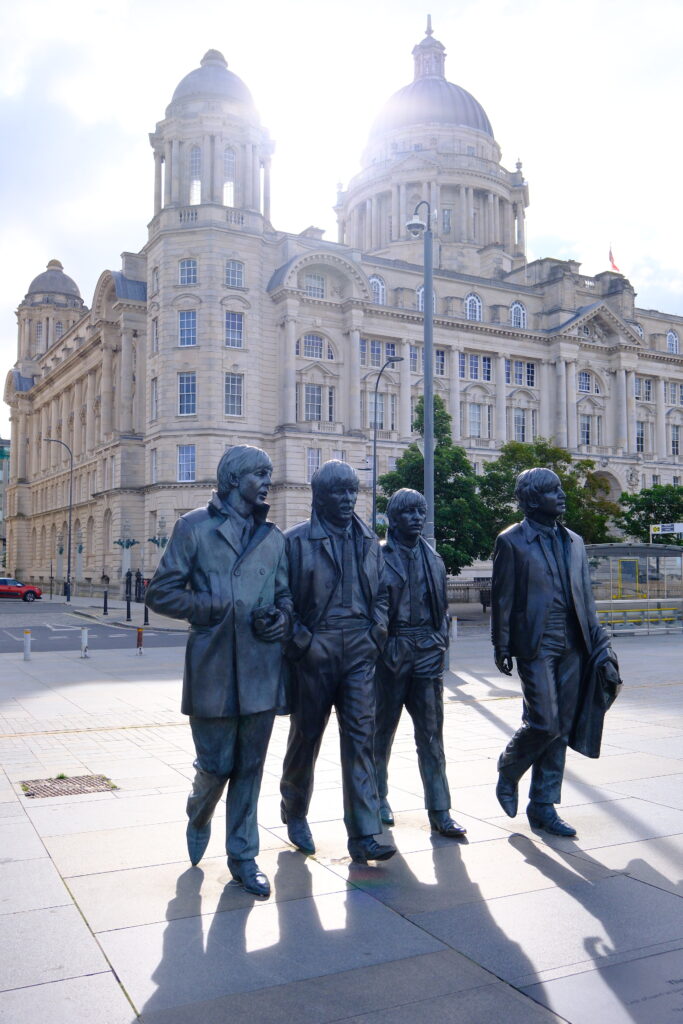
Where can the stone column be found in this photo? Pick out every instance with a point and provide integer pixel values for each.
(404, 415)
(157, 181)
(255, 179)
(470, 215)
(660, 423)
(630, 411)
(402, 212)
(175, 172)
(353, 415)
(501, 404)
(125, 383)
(375, 234)
(561, 398)
(621, 439)
(266, 188)
(545, 400)
(168, 164)
(20, 441)
(367, 241)
(521, 244)
(288, 372)
(570, 376)
(206, 169)
(454, 393)
(106, 395)
(395, 212)
(490, 235)
(45, 432)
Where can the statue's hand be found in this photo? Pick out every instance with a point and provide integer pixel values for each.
(503, 662)
(276, 631)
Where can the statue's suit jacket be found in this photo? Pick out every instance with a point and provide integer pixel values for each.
(314, 575)
(397, 580)
(206, 578)
(522, 591)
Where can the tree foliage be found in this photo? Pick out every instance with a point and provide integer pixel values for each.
(662, 503)
(588, 509)
(459, 515)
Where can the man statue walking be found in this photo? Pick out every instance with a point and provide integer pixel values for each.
(410, 670)
(542, 613)
(340, 619)
(225, 571)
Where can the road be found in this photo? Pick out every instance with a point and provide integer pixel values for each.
(57, 628)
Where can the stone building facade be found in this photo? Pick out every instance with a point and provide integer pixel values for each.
(225, 330)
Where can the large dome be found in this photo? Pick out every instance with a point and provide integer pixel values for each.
(54, 281)
(212, 80)
(430, 99)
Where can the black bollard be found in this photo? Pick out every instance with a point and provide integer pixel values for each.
(128, 618)
(105, 609)
(145, 621)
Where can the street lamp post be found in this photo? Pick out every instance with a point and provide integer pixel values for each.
(390, 362)
(417, 227)
(67, 586)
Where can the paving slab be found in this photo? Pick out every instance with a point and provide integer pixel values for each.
(556, 930)
(644, 991)
(658, 862)
(19, 841)
(39, 946)
(666, 790)
(272, 943)
(95, 999)
(31, 885)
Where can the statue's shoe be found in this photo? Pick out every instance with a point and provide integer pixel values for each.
(197, 842)
(385, 812)
(367, 848)
(442, 823)
(298, 831)
(506, 791)
(250, 876)
(546, 818)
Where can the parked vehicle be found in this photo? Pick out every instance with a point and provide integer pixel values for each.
(13, 588)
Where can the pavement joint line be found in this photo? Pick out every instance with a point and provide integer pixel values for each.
(91, 728)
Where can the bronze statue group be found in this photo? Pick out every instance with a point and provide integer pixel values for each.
(324, 616)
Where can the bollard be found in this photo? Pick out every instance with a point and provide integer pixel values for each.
(140, 633)
(454, 628)
(128, 618)
(146, 618)
(27, 645)
(105, 610)
(84, 642)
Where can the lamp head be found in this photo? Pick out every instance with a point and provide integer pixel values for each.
(416, 226)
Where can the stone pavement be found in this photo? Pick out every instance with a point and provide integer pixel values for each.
(103, 919)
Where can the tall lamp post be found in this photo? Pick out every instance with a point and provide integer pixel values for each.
(418, 227)
(67, 586)
(390, 362)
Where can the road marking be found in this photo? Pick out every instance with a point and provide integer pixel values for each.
(13, 637)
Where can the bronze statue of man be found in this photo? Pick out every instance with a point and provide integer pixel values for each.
(340, 618)
(225, 571)
(410, 670)
(543, 614)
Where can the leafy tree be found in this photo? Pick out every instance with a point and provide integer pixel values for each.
(662, 503)
(459, 516)
(588, 510)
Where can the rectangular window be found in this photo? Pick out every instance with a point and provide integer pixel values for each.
(39, 331)
(390, 349)
(391, 463)
(234, 329)
(234, 391)
(375, 353)
(312, 462)
(186, 463)
(413, 358)
(155, 334)
(187, 272)
(313, 401)
(234, 273)
(154, 398)
(187, 327)
(376, 418)
(676, 481)
(446, 221)
(314, 286)
(656, 479)
(640, 435)
(598, 429)
(584, 382)
(637, 387)
(187, 394)
(440, 362)
(486, 367)
(331, 404)
(363, 351)
(393, 411)
(462, 365)
(475, 420)
(531, 375)
(647, 390)
(474, 367)
(519, 421)
(584, 429)
(153, 465)
(675, 439)
(680, 395)
(313, 346)
(339, 454)
(508, 366)
(519, 371)
(489, 420)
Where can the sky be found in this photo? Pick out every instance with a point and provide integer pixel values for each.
(585, 93)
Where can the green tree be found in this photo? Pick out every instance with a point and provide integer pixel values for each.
(459, 516)
(589, 511)
(662, 503)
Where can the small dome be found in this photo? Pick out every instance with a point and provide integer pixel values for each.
(212, 80)
(54, 281)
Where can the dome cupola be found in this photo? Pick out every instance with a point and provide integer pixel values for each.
(53, 285)
(212, 81)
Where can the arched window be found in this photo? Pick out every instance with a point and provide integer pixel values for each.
(228, 176)
(379, 290)
(517, 315)
(420, 297)
(473, 307)
(195, 176)
(234, 274)
(672, 342)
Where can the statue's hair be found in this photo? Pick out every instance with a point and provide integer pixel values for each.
(236, 461)
(404, 498)
(327, 476)
(531, 484)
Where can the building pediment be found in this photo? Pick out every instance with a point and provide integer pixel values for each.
(599, 324)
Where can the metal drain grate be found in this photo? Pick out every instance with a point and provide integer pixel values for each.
(67, 787)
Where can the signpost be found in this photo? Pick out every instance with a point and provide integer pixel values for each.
(664, 529)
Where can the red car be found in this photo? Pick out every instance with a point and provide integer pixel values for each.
(13, 588)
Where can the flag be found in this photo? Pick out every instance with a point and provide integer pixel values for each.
(612, 263)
